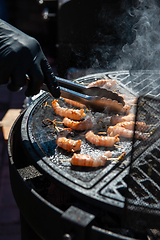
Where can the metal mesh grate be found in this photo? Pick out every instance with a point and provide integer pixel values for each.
(142, 207)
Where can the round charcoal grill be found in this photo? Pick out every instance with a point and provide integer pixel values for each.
(85, 202)
(39, 141)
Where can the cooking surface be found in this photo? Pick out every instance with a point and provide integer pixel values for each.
(102, 186)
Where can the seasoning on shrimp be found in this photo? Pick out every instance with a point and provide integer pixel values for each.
(107, 141)
(74, 103)
(78, 125)
(88, 161)
(75, 114)
(105, 83)
(117, 118)
(68, 144)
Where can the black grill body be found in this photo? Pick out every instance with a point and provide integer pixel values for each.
(99, 197)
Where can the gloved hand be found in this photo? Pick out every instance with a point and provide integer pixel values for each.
(21, 54)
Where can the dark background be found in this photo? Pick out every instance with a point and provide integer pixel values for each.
(80, 33)
(27, 15)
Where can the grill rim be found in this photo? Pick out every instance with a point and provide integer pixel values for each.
(112, 204)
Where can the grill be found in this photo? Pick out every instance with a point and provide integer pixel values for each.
(113, 195)
(142, 199)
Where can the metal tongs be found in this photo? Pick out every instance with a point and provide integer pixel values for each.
(95, 98)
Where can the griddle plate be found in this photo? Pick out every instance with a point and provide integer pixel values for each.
(103, 186)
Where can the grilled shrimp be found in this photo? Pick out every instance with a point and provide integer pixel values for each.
(127, 133)
(104, 83)
(117, 118)
(121, 131)
(140, 126)
(68, 144)
(70, 113)
(128, 100)
(74, 103)
(78, 125)
(107, 141)
(88, 161)
(128, 103)
(126, 108)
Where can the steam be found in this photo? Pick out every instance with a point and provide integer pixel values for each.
(143, 52)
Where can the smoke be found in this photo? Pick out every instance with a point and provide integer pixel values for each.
(144, 52)
(131, 40)
(127, 38)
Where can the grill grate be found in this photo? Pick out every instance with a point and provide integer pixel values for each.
(143, 191)
(106, 187)
(141, 82)
(142, 205)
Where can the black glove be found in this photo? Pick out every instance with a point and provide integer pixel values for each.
(21, 54)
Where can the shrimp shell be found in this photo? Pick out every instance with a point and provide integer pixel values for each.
(88, 161)
(107, 141)
(78, 125)
(74, 103)
(67, 144)
(104, 83)
(140, 126)
(121, 131)
(75, 114)
(117, 118)
(127, 133)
